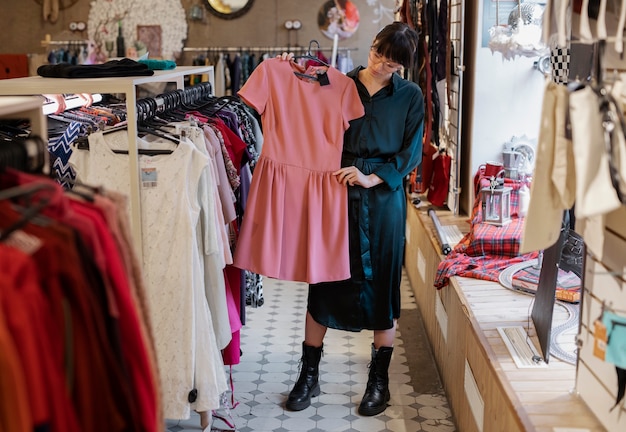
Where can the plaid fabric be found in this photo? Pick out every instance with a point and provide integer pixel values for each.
(486, 249)
(481, 267)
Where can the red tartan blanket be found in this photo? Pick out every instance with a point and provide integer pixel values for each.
(486, 249)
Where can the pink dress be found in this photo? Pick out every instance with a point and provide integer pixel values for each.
(295, 225)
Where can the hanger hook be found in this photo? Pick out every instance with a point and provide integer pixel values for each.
(311, 42)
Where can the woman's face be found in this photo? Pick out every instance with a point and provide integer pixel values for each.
(381, 66)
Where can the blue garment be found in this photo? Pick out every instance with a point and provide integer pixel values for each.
(616, 339)
(61, 150)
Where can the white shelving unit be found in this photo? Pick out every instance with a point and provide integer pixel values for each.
(37, 85)
(26, 107)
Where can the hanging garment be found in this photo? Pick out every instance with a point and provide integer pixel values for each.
(595, 194)
(440, 182)
(213, 250)
(60, 148)
(295, 223)
(185, 341)
(109, 317)
(554, 184)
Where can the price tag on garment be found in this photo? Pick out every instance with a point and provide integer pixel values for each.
(148, 177)
(23, 241)
(322, 78)
(599, 343)
(184, 130)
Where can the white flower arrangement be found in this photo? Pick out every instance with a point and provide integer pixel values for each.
(104, 16)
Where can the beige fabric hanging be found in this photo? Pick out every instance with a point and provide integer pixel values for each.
(595, 194)
(553, 187)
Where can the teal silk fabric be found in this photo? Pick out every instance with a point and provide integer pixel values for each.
(386, 141)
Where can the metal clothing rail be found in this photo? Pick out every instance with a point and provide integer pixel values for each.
(48, 41)
(262, 49)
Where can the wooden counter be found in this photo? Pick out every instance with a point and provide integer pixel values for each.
(486, 389)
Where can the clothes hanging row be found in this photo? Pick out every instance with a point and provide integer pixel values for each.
(73, 327)
(207, 150)
(260, 49)
(25, 153)
(233, 65)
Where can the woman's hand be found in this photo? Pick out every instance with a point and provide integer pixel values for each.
(354, 177)
(285, 56)
(87, 98)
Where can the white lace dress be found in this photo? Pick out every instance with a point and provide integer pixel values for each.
(187, 353)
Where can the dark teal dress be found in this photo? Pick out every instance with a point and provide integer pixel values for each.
(386, 141)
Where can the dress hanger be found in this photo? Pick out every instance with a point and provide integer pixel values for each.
(308, 55)
(33, 207)
(321, 76)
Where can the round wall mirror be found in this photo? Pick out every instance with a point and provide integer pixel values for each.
(228, 9)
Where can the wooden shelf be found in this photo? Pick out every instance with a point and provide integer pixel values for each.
(486, 390)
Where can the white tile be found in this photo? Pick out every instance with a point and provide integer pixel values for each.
(300, 424)
(402, 425)
(244, 376)
(332, 377)
(247, 366)
(274, 368)
(266, 410)
(400, 389)
(333, 425)
(335, 388)
(275, 377)
(305, 413)
(278, 357)
(273, 387)
(333, 411)
(432, 413)
(336, 398)
(245, 386)
(401, 412)
(402, 400)
(263, 423)
(330, 367)
(369, 424)
(277, 399)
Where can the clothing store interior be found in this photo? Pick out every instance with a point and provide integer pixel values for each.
(136, 142)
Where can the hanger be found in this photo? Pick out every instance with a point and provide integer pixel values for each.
(82, 143)
(308, 55)
(322, 77)
(30, 211)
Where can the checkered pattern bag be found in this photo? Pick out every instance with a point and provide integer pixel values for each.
(559, 63)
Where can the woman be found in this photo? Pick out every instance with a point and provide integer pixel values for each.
(380, 149)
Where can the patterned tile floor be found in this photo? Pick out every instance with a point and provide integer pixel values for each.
(271, 345)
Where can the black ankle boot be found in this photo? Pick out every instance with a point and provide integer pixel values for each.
(307, 384)
(377, 391)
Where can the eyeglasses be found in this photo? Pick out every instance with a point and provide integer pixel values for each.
(376, 58)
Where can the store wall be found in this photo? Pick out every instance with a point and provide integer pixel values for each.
(24, 27)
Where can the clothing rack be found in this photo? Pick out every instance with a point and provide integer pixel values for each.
(262, 49)
(25, 153)
(149, 107)
(37, 85)
(48, 41)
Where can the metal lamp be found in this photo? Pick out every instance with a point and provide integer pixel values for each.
(496, 205)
